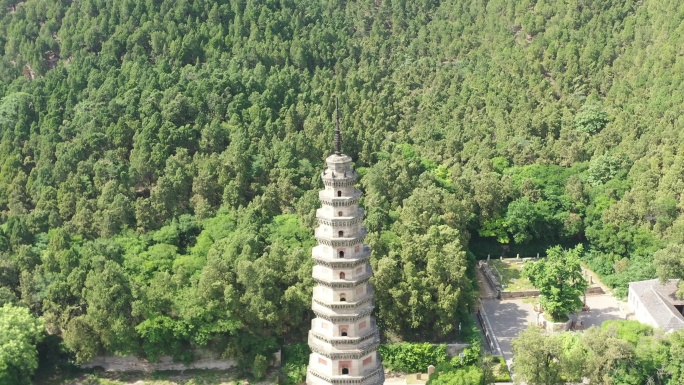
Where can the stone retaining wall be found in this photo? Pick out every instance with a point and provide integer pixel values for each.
(557, 326)
(594, 290)
(135, 364)
(454, 349)
(490, 276)
(519, 294)
(205, 360)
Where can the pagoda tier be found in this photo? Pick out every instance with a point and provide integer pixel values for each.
(344, 337)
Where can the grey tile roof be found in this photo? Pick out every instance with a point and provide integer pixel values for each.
(659, 300)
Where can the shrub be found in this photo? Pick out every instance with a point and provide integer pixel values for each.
(295, 360)
(470, 375)
(591, 119)
(500, 370)
(259, 367)
(471, 355)
(412, 357)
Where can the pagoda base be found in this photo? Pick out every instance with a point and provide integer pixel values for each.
(376, 377)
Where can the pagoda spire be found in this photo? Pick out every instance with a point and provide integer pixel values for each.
(338, 134)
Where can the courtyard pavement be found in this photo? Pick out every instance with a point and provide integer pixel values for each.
(509, 317)
(604, 308)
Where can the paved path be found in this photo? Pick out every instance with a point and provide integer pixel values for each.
(509, 317)
(603, 308)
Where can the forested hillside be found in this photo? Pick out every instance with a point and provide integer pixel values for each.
(160, 160)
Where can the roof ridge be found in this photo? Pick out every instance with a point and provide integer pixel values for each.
(669, 306)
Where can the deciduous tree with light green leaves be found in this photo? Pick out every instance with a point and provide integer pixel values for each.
(669, 263)
(559, 280)
(536, 358)
(19, 334)
(676, 363)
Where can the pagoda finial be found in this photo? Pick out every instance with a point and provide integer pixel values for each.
(338, 134)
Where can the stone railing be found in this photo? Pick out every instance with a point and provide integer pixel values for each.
(490, 339)
(489, 274)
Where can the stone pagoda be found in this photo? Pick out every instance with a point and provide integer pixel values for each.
(344, 337)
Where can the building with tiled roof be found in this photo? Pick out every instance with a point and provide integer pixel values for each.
(655, 303)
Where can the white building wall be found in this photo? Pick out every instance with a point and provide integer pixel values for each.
(333, 351)
(640, 312)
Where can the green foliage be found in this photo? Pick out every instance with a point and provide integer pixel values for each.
(630, 331)
(604, 168)
(470, 375)
(620, 352)
(295, 362)
(675, 364)
(425, 289)
(412, 357)
(247, 348)
(495, 228)
(259, 367)
(536, 358)
(669, 263)
(20, 332)
(500, 164)
(559, 280)
(164, 336)
(472, 366)
(471, 355)
(178, 140)
(591, 119)
(500, 371)
(606, 355)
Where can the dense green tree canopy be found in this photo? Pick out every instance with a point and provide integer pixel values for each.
(619, 352)
(559, 280)
(537, 358)
(172, 150)
(19, 334)
(670, 264)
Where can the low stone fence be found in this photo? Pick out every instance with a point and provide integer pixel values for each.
(454, 349)
(490, 276)
(490, 339)
(134, 364)
(594, 290)
(519, 294)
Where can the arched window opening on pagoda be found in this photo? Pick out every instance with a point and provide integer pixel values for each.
(347, 331)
